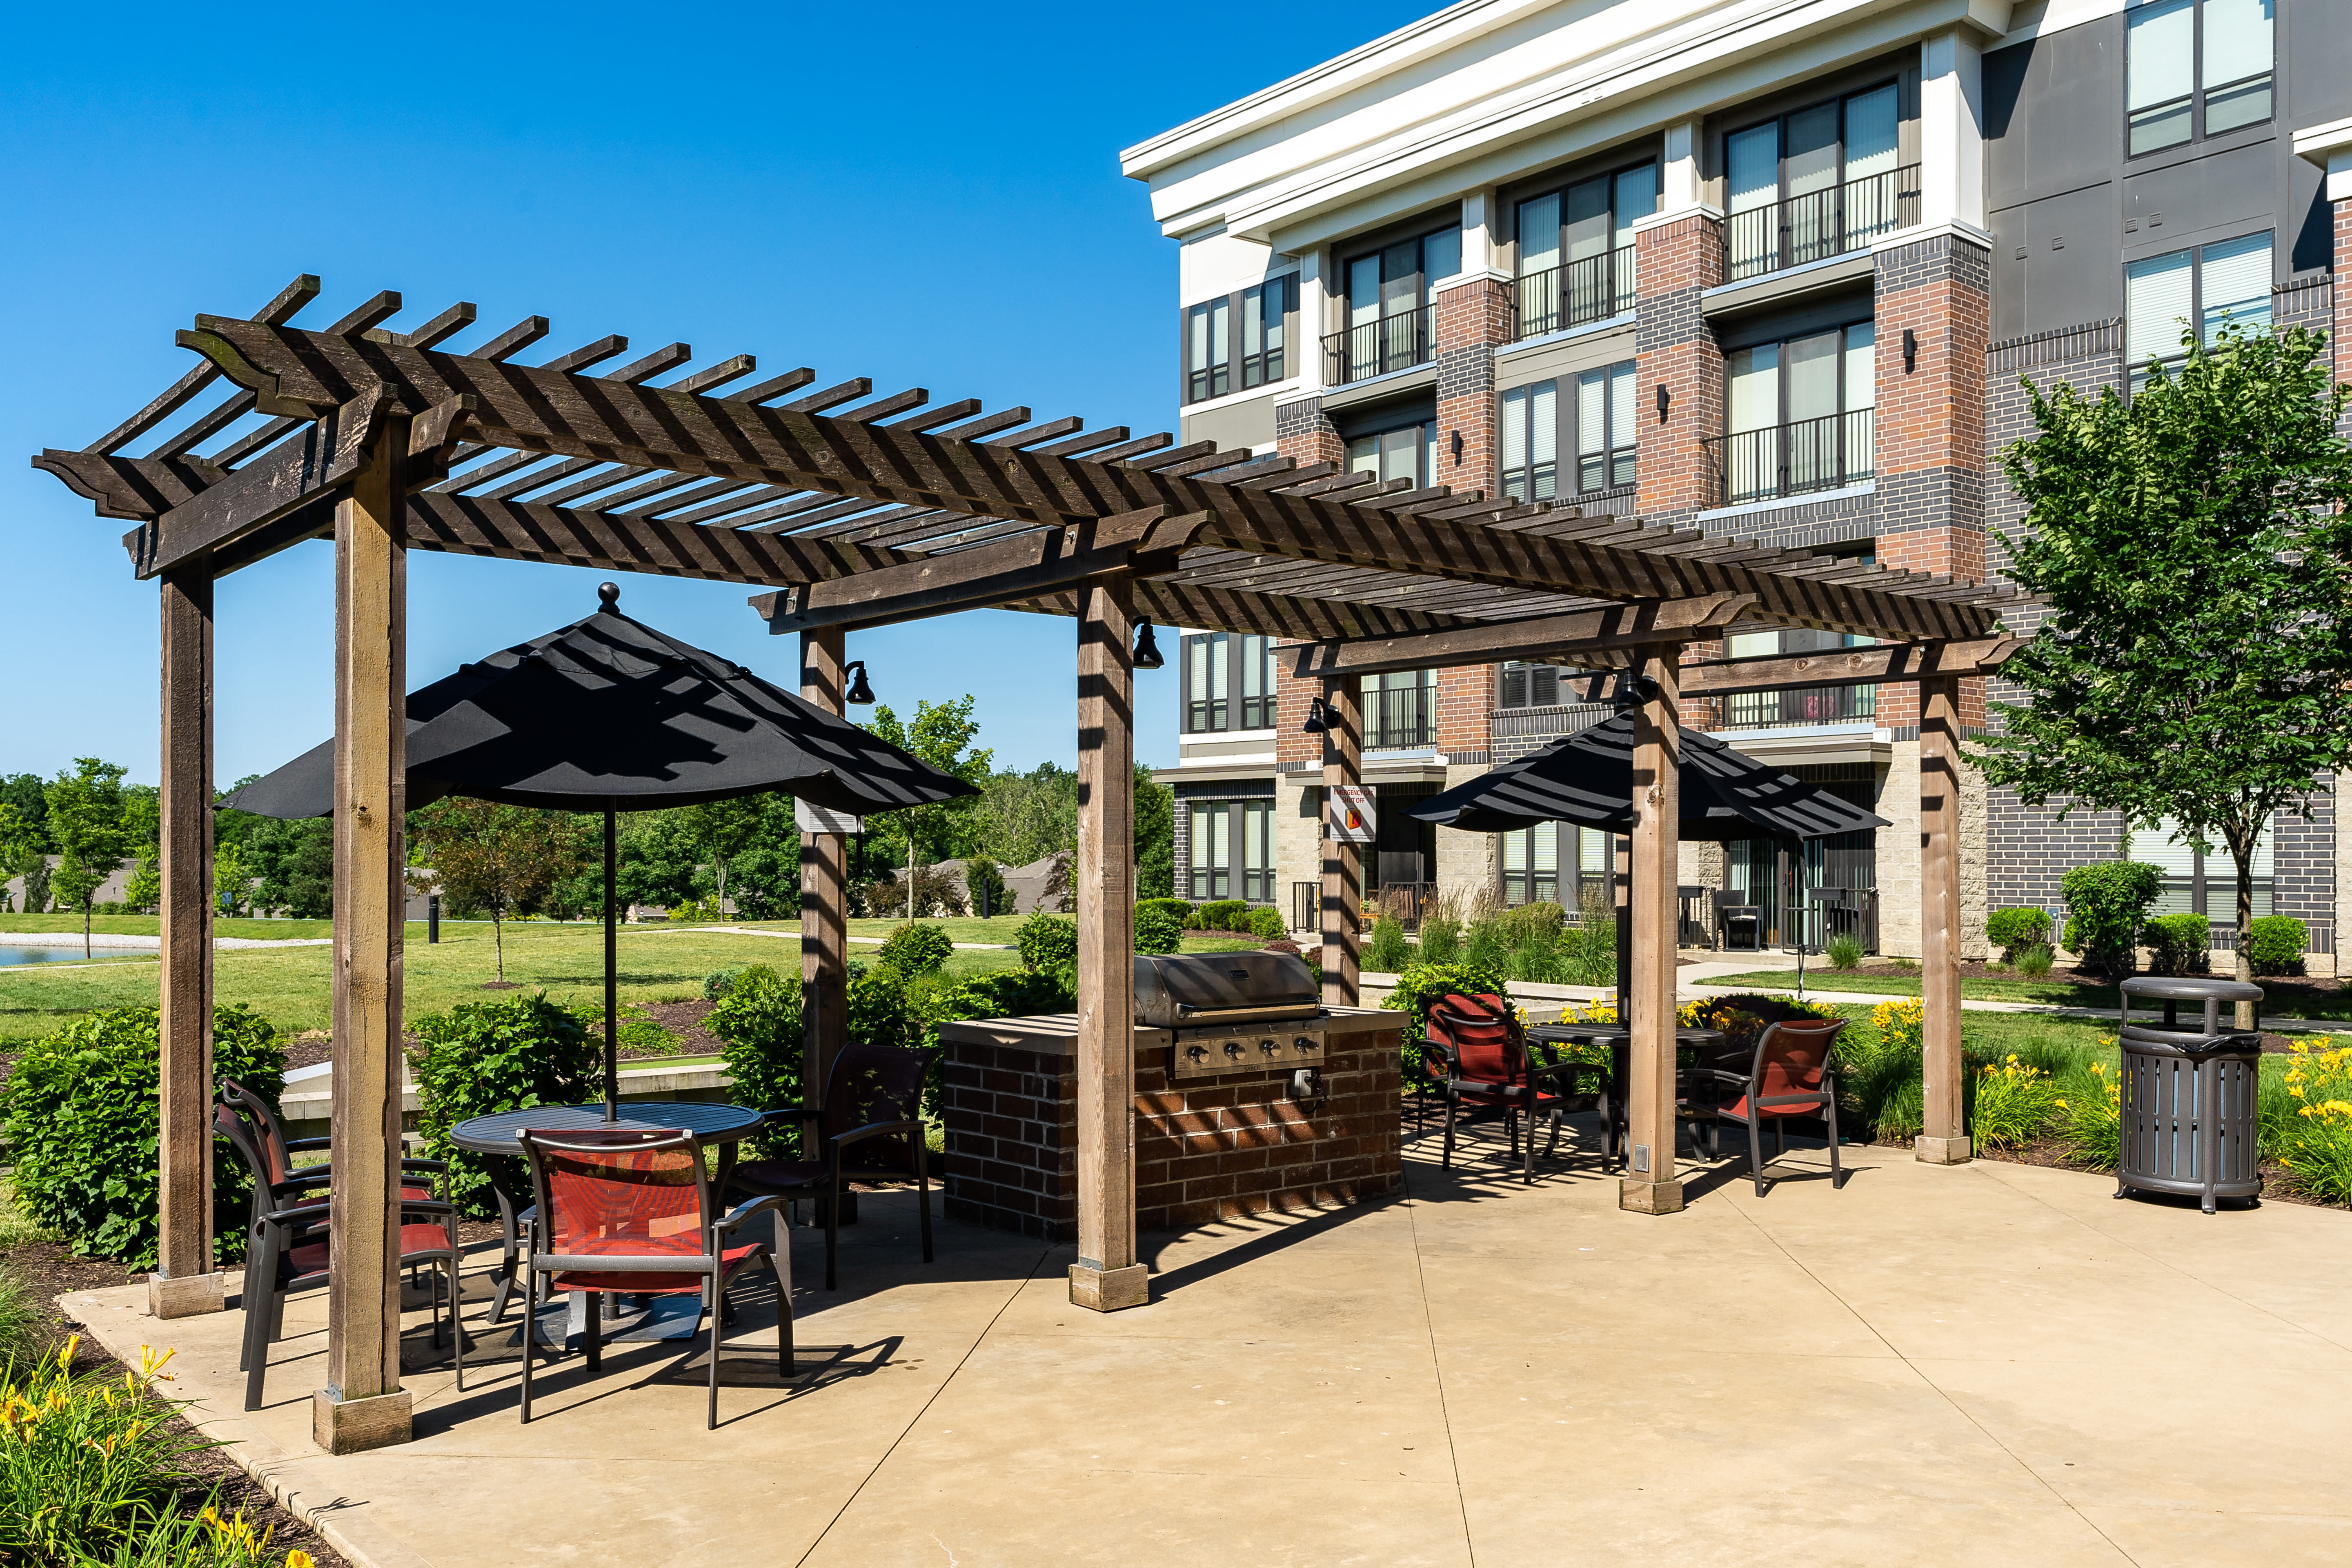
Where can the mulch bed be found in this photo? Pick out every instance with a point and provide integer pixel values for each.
(50, 1270)
(683, 1019)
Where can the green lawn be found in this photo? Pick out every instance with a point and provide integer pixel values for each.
(153, 925)
(292, 986)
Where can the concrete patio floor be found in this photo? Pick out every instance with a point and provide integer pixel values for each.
(1991, 1363)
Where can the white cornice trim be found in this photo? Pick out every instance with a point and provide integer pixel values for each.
(1914, 235)
(1659, 220)
(2319, 143)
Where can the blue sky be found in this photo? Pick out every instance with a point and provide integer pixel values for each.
(928, 195)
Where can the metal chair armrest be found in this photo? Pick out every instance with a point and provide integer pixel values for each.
(316, 1176)
(297, 1146)
(289, 1219)
(877, 1129)
(770, 1116)
(432, 1208)
(745, 1210)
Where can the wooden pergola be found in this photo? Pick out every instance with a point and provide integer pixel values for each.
(858, 511)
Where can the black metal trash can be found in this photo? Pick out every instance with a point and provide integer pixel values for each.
(2189, 1109)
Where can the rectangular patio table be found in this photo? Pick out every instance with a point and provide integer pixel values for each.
(1619, 1039)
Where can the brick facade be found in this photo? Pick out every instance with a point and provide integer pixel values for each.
(1302, 430)
(1205, 1150)
(1676, 348)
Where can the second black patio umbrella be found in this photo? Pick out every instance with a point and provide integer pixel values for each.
(608, 714)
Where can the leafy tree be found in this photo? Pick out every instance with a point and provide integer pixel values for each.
(495, 858)
(1155, 837)
(2193, 547)
(28, 792)
(725, 829)
(24, 850)
(1024, 817)
(85, 820)
(942, 735)
(232, 882)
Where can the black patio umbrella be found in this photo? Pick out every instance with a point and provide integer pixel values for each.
(608, 714)
(1587, 779)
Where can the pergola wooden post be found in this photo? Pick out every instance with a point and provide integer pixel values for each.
(1343, 862)
(1653, 910)
(364, 1405)
(1943, 1137)
(1107, 1277)
(186, 1279)
(824, 907)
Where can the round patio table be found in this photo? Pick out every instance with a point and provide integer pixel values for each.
(1620, 1041)
(724, 1125)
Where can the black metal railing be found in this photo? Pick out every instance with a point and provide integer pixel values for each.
(1819, 224)
(1401, 716)
(1592, 288)
(1790, 459)
(1375, 348)
(1306, 906)
(1797, 706)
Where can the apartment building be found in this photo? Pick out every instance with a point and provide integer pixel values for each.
(1762, 268)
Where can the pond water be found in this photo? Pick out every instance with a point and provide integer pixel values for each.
(9, 955)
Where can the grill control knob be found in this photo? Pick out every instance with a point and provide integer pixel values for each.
(1196, 1053)
(1269, 1048)
(1304, 1043)
(1234, 1049)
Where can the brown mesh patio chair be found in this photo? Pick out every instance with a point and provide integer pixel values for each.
(870, 1127)
(1488, 1066)
(1789, 1076)
(287, 1249)
(278, 1151)
(631, 1210)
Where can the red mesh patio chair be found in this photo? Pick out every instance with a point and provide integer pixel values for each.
(1788, 1077)
(1488, 1066)
(631, 1210)
(278, 1150)
(870, 1126)
(285, 1247)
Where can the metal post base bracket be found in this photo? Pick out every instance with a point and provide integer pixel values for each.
(1641, 1196)
(187, 1296)
(1109, 1289)
(355, 1426)
(1944, 1151)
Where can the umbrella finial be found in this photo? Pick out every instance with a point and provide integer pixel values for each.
(608, 597)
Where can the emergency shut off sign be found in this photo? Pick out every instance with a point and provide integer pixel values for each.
(1353, 820)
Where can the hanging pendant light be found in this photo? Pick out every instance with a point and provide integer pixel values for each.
(859, 692)
(1318, 718)
(1146, 651)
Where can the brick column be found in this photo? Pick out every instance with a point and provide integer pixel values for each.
(1473, 320)
(1676, 256)
(1929, 425)
(1303, 431)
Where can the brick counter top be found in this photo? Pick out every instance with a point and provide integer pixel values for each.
(1056, 1034)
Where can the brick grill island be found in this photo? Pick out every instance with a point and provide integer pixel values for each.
(1205, 1147)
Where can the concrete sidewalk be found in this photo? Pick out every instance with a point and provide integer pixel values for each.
(1987, 1363)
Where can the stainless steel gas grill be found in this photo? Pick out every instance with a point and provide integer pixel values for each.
(1233, 1012)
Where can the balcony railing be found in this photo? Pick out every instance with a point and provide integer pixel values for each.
(1375, 348)
(1799, 706)
(1590, 289)
(1792, 460)
(1402, 716)
(1819, 224)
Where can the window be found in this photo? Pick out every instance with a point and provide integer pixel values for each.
(1596, 422)
(1390, 301)
(2227, 283)
(2202, 884)
(1226, 834)
(1817, 182)
(1801, 705)
(1520, 685)
(1799, 416)
(1228, 682)
(2171, 45)
(1576, 250)
(1251, 328)
(1406, 452)
(1401, 708)
(1554, 862)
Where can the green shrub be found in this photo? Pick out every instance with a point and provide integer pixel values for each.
(917, 947)
(878, 1007)
(91, 1467)
(1537, 955)
(2307, 1120)
(1536, 924)
(760, 1020)
(1158, 930)
(698, 912)
(2035, 961)
(2275, 945)
(1178, 908)
(1846, 952)
(1387, 952)
(2013, 1102)
(1879, 1072)
(1224, 914)
(2092, 1128)
(1049, 945)
(2014, 931)
(80, 1113)
(1422, 985)
(1440, 938)
(483, 1057)
(718, 982)
(1486, 948)
(1006, 993)
(641, 1037)
(2176, 944)
(2107, 901)
(985, 886)
(1268, 924)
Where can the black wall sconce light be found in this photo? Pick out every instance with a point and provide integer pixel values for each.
(1631, 691)
(1147, 650)
(1910, 351)
(859, 692)
(1664, 398)
(1457, 448)
(1318, 718)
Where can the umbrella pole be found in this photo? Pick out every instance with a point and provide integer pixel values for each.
(612, 980)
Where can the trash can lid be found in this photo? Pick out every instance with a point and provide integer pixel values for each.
(2189, 988)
